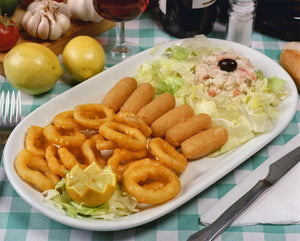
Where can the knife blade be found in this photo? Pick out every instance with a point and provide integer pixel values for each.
(276, 170)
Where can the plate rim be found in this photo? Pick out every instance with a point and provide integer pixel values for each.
(100, 225)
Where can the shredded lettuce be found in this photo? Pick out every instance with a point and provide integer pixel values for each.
(244, 116)
(120, 204)
(171, 85)
(180, 53)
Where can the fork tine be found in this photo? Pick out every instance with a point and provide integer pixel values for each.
(10, 109)
(18, 108)
(12, 115)
(1, 105)
(6, 111)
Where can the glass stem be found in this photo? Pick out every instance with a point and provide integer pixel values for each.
(120, 47)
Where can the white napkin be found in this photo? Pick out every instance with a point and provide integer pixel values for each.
(280, 204)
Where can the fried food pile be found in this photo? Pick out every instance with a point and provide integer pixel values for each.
(137, 135)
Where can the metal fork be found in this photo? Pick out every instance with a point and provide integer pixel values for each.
(10, 115)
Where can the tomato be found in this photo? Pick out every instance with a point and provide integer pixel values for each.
(8, 6)
(9, 33)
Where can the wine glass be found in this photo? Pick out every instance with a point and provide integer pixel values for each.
(120, 11)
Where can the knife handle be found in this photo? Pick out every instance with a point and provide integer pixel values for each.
(220, 224)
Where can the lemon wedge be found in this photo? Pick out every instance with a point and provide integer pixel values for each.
(92, 186)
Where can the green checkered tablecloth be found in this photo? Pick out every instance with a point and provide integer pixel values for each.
(20, 222)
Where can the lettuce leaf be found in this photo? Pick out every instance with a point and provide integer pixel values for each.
(120, 204)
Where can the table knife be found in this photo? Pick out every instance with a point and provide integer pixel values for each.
(276, 170)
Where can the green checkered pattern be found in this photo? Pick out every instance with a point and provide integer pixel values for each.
(20, 222)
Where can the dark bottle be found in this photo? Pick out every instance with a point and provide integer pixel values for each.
(187, 18)
(279, 18)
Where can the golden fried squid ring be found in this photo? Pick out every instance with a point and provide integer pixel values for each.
(53, 161)
(93, 115)
(34, 170)
(134, 121)
(35, 141)
(62, 137)
(91, 153)
(123, 135)
(102, 143)
(152, 184)
(146, 169)
(122, 157)
(66, 121)
(167, 154)
(71, 157)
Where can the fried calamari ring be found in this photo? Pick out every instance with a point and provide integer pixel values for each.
(53, 161)
(66, 121)
(123, 135)
(102, 143)
(91, 153)
(167, 154)
(69, 158)
(133, 121)
(122, 157)
(34, 170)
(146, 169)
(63, 138)
(35, 141)
(153, 185)
(93, 115)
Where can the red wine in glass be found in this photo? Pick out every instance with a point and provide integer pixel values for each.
(120, 11)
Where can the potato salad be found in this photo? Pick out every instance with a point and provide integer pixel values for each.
(225, 72)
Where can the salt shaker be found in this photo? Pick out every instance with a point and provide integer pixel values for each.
(240, 24)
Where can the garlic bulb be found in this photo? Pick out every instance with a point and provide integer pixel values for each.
(47, 19)
(84, 10)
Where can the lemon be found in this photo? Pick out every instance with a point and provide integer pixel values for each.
(83, 57)
(32, 68)
(92, 186)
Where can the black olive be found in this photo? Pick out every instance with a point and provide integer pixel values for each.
(228, 65)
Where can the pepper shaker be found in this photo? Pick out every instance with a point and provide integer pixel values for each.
(241, 15)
